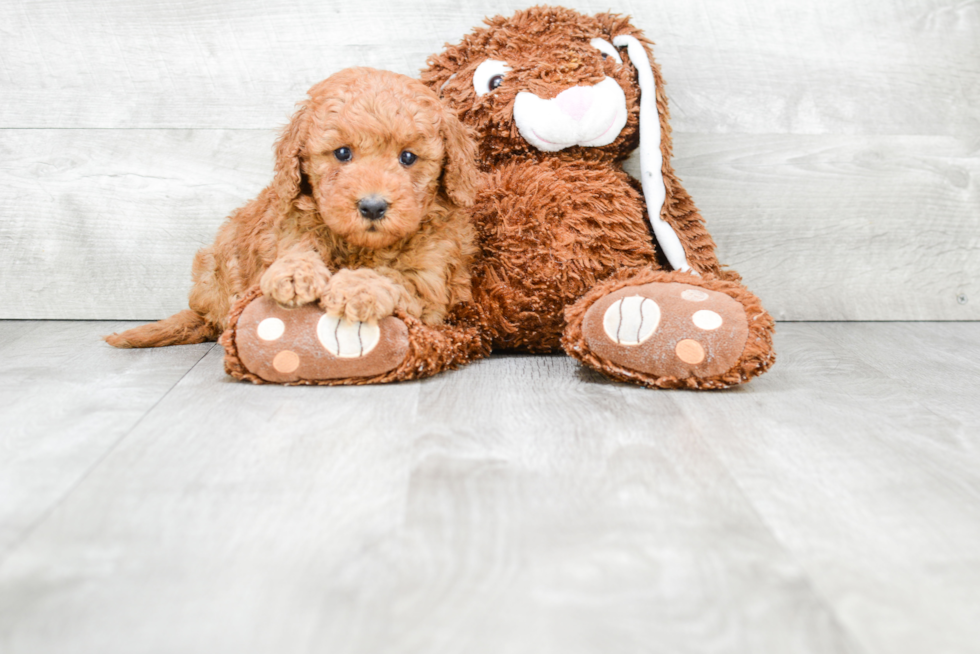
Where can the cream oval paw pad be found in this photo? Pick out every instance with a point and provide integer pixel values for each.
(668, 329)
(707, 320)
(291, 345)
(631, 320)
(347, 339)
(270, 329)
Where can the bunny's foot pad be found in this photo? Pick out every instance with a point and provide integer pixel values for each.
(270, 343)
(672, 334)
(672, 330)
(266, 343)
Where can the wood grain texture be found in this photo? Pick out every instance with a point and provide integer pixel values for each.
(100, 223)
(852, 438)
(844, 228)
(835, 67)
(103, 224)
(66, 398)
(940, 387)
(242, 518)
(522, 504)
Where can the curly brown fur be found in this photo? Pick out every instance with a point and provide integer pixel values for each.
(304, 238)
(554, 245)
(555, 228)
(552, 224)
(549, 51)
(182, 328)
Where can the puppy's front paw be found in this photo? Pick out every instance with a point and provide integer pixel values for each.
(295, 279)
(360, 295)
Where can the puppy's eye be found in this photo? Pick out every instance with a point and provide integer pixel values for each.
(407, 158)
(343, 154)
(489, 75)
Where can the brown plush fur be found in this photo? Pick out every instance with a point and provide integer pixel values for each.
(304, 240)
(554, 226)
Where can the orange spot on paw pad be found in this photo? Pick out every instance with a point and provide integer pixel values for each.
(286, 361)
(689, 351)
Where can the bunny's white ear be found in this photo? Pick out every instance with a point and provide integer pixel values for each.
(651, 159)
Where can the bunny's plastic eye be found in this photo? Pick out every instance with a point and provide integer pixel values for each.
(489, 75)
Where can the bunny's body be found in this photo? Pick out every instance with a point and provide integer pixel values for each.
(575, 253)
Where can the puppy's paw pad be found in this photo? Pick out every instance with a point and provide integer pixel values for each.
(345, 338)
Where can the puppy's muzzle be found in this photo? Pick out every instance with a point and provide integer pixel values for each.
(372, 207)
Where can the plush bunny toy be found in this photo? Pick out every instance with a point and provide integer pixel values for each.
(575, 252)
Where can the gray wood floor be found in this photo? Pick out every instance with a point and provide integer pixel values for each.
(150, 504)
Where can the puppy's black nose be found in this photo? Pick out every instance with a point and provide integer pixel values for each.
(372, 207)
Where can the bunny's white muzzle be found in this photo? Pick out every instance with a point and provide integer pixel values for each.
(590, 116)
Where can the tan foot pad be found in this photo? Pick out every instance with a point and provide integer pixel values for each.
(287, 345)
(673, 329)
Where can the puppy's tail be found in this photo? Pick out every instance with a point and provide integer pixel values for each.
(179, 329)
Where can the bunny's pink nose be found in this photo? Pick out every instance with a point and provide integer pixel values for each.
(575, 101)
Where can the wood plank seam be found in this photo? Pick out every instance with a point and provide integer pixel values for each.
(22, 538)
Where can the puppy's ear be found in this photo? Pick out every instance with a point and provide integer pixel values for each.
(289, 181)
(460, 176)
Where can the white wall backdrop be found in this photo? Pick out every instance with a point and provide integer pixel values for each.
(833, 147)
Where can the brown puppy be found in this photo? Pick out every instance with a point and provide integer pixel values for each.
(363, 215)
